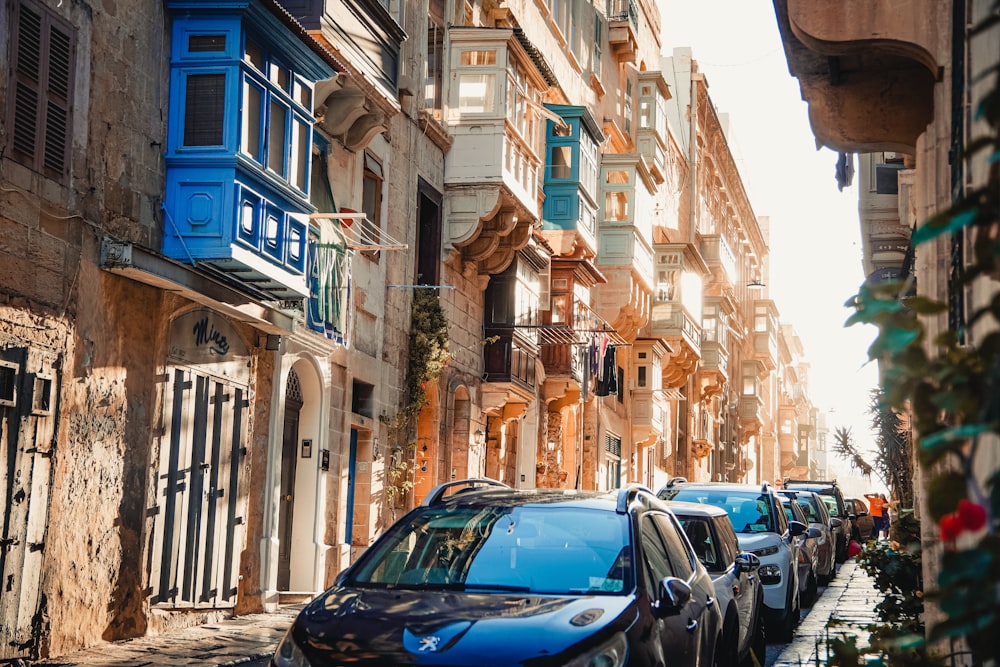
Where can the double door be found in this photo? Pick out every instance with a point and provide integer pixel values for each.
(201, 510)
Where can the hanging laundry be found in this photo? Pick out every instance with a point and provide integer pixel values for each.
(607, 381)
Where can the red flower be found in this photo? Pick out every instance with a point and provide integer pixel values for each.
(972, 515)
(951, 527)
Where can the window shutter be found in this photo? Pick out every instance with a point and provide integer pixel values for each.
(42, 88)
(57, 109)
(27, 70)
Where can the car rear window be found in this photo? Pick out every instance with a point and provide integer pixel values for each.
(526, 548)
(748, 511)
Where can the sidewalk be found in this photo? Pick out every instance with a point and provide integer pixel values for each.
(232, 642)
(850, 600)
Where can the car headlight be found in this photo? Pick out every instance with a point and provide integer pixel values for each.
(288, 653)
(770, 574)
(766, 551)
(612, 653)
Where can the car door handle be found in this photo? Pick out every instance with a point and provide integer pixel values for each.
(692, 625)
(710, 601)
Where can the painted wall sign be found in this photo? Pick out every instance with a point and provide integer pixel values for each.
(206, 339)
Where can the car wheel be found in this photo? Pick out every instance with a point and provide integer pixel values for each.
(812, 588)
(841, 550)
(825, 579)
(728, 647)
(757, 652)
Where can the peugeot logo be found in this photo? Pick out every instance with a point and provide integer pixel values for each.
(429, 643)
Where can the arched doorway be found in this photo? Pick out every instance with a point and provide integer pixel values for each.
(289, 462)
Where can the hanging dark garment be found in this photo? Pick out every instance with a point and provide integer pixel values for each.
(607, 382)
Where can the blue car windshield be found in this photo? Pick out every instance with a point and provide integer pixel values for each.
(748, 511)
(531, 549)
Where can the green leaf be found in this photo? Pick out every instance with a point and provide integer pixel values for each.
(892, 341)
(970, 566)
(925, 306)
(932, 229)
(954, 434)
(943, 494)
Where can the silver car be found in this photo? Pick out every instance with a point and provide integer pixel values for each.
(808, 547)
(738, 591)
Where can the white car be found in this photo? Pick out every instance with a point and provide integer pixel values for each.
(738, 590)
(762, 529)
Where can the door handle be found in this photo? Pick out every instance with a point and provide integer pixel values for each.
(692, 625)
(710, 601)
(288, 498)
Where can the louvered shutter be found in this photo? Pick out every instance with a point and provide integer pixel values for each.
(42, 88)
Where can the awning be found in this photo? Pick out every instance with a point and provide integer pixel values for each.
(587, 325)
(360, 232)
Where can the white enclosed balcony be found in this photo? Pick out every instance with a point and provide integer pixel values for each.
(625, 240)
(493, 170)
(678, 300)
(651, 139)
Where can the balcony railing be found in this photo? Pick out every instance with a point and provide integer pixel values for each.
(623, 10)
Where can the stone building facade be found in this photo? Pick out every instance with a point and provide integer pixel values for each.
(899, 97)
(216, 218)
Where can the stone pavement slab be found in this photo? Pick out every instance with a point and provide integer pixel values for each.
(846, 607)
(239, 640)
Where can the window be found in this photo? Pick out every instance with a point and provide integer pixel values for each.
(588, 164)
(276, 116)
(680, 556)
(204, 109)
(562, 162)
(655, 557)
(616, 201)
(41, 85)
(371, 191)
(276, 142)
(627, 112)
(434, 63)
(598, 43)
(475, 93)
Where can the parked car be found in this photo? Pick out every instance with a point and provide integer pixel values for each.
(738, 589)
(818, 516)
(834, 499)
(808, 550)
(762, 529)
(861, 519)
(481, 573)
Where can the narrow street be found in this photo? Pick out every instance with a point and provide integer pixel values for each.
(250, 640)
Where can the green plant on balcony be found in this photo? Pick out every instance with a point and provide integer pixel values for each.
(428, 358)
(953, 398)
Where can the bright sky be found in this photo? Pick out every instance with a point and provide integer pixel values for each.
(815, 235)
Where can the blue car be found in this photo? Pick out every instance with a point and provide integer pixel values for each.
(483, 574)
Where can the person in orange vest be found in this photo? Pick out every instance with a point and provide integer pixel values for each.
(879, 512)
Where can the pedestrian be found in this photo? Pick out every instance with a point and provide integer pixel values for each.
(877, 509)
(887, 510)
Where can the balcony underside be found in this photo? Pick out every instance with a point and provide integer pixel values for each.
(487, 225)
(866, 69)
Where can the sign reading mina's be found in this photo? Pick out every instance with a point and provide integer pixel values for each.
(205, 338)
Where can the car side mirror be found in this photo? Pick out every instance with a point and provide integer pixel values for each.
(747, 562)
(836, 523)
(796, 528)
(674, 594)
(814, 533)
(862, 513)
